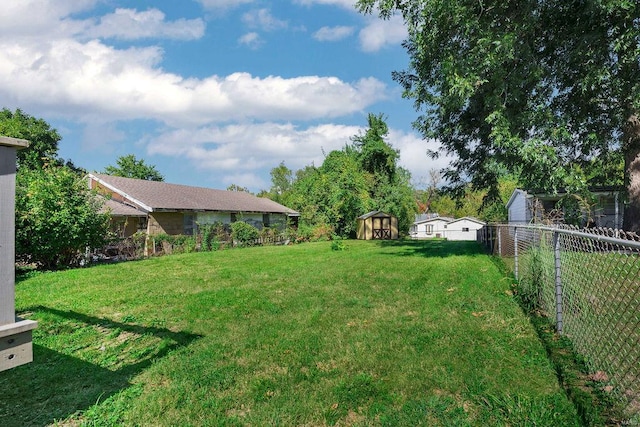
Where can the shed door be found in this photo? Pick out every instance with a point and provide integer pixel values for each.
(382, 228)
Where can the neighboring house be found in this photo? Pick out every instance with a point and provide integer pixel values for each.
(520, 207)
(446, 228)
(377, 225)
(528, 207)
(159, 207)
(431, 227)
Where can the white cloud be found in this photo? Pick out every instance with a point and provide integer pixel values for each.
(264, 20)
(413, 154)
(38, 18)
(129, 24)
(380, 33)
(46, 20)
(347, 4)
(222, 4)
(333, 33)
(243, 153)
(252, 40)
(241, 148)
(94, 79)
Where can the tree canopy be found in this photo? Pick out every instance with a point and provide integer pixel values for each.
(130, 167)
(362, 177)
(43, 140)
(540, 89)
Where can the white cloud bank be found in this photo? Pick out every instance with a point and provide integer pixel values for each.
(237, 151)
(239, 124)
(68, 71)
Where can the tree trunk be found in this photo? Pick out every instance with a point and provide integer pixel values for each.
(631, 147)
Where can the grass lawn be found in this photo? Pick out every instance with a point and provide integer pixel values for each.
(383, 333)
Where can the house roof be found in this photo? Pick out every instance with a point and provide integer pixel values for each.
(517, 192)
(116, 208)
(154, 196)
(444, 219)
(469, 218)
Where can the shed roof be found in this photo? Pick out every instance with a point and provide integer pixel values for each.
(374, 214)
(161, 196)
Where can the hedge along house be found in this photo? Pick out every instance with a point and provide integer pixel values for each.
(159, 207)
(377, 225)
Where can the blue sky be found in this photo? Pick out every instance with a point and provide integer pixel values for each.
(211, 92)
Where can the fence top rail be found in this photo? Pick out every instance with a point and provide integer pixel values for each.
(606, 239)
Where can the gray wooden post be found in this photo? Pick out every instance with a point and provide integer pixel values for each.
(515, 251)
(15, 334)
(558, 277)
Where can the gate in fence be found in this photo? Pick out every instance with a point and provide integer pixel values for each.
(588, 283)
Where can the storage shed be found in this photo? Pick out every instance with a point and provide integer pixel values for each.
(377, 225)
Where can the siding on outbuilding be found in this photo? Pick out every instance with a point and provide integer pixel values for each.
(377, 225)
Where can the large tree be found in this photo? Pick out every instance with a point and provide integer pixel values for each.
(539, 88)
(130, 167)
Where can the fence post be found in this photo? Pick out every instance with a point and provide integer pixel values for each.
(515, 251)
(491, 238)
(558, 277)
(499, 230)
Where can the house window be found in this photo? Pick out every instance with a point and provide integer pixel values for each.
(429, 228)
(234, 217)
(465, 229)
(265, 220)
(188, 224)
(142, 224)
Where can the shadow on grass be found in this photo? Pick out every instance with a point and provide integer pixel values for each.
(57, 385)
(433, 248)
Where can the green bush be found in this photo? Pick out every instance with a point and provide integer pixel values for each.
(244, 234)
(338, 243)
(57, 217)
(211, 236)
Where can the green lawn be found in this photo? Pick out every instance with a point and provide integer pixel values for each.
(400, 333)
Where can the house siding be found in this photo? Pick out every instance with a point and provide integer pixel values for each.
(518, 209)
(124, 226)
(171, 223)
(460, 229)
(434, 228)
(456, 230)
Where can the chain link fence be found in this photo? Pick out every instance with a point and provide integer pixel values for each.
(587, 282)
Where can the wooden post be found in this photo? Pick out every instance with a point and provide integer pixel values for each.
(15, 334)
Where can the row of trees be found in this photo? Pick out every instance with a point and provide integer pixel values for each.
(361, 177)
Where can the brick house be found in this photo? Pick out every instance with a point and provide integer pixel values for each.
(159, 207)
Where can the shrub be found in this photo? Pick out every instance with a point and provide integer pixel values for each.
(244, 234)
(211, 235)
(338, 244)
(57, 217)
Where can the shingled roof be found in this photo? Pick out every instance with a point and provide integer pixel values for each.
(154, 196)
